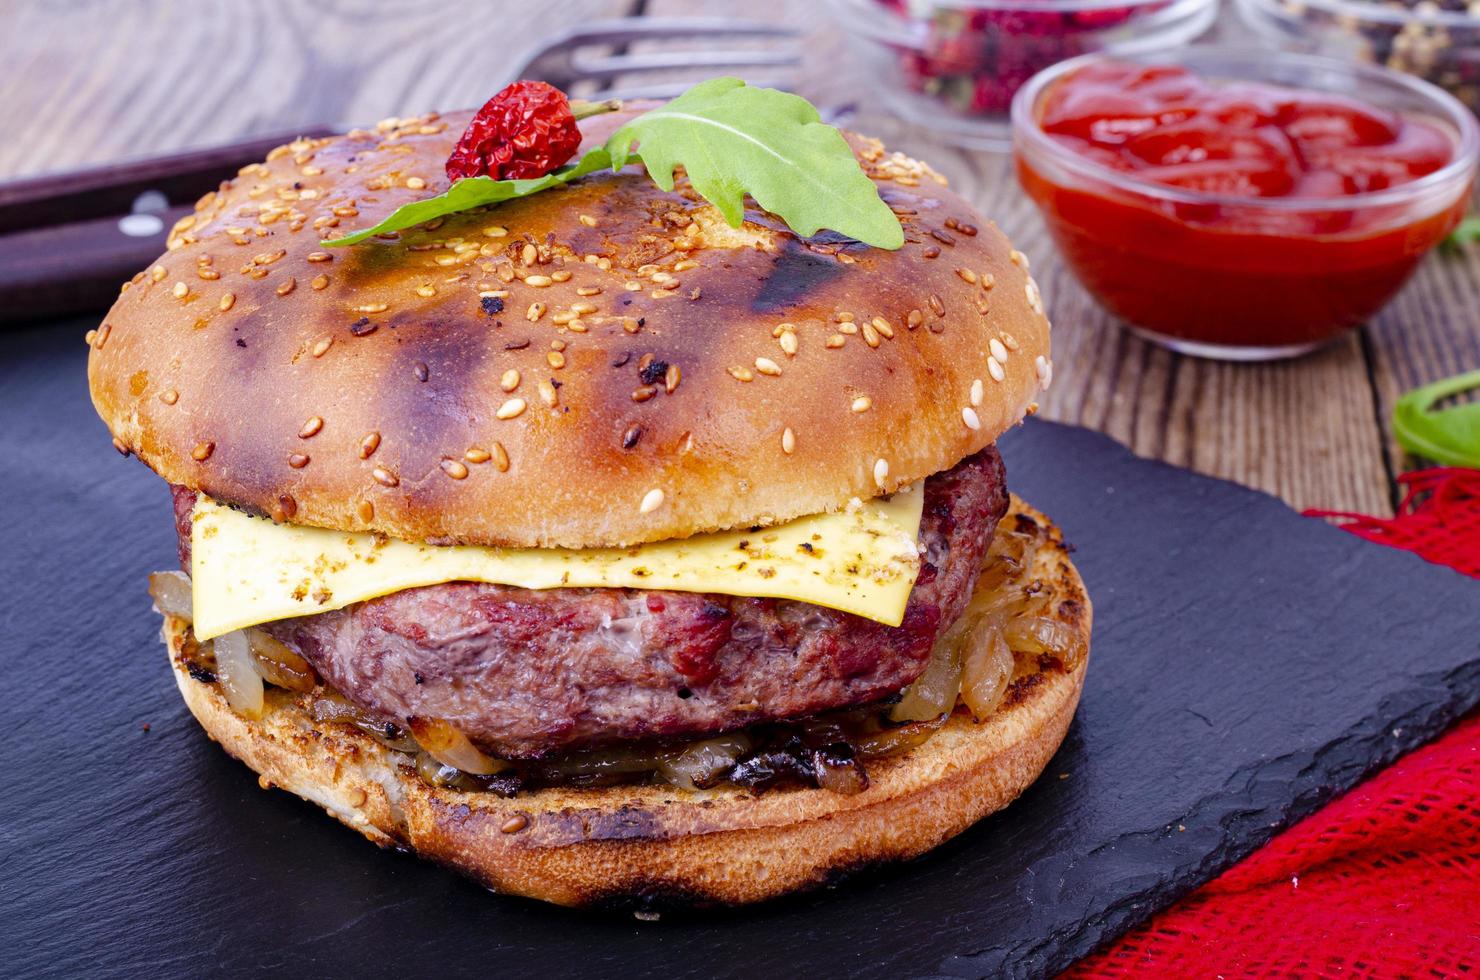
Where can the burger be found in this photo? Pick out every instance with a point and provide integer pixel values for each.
(587, 543)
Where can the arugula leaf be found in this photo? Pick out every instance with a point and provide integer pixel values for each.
(734, 139)
(1450, 436)
(474, 192)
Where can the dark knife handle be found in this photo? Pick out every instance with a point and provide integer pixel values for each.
(63, 244)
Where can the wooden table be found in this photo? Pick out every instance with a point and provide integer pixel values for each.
(87, 83)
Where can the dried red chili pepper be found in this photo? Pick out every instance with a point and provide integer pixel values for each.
(525, 131)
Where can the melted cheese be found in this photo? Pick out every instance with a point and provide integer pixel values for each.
(247, 570)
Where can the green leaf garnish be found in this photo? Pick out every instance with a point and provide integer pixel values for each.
(1464, 233)
(732, 139)
(474, 192)
(1450, 436)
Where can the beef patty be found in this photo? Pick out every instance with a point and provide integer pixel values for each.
(531, 673)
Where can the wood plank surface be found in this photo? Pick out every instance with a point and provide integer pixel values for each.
(110, 79)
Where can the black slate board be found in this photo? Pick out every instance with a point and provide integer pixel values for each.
(1247, 664)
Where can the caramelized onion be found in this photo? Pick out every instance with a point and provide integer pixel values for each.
(702, 764)
(239, 679)
(888, 741)
(333, 706)
(1043, 634)
(934, 692)
(985, 670)
(451, 748)
(171, 594)
(279, 663)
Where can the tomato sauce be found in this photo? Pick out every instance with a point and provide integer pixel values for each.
(1257, 272)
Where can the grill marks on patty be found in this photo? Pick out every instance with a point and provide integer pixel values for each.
(527, 673)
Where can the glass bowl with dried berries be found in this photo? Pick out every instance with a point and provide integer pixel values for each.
(1437, 40)
(953, 65)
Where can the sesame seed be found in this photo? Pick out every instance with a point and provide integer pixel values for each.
(286, 507)
(346, 211)
(967, 274)
(297, 460)
(631, 436)
(848, 327)
(510, 380)
(555, 359)
(514, 824)
(844, 317)
(632, 286)
(651, 501)
(685, 265)
(103, 333)
(511, 409)
(209, 275)
(788, 342)
(788, 441)
(476, 455)
(936, 306)
(881, 472)
(455, 469)
(320, 282)
(767, 366)
(663, 293)
(371, 308)
(385, 477)
(369, 444)
(643, 393)
(631, 324)
(882, 325)
(157, 273)
(671, 378)
(169, 397)
(181, 290)
(988, 280)
(1018, 259)
(862, 403)
(969, 416)
(589, 291)
(90, 337)
(320, 257)
(287, 286)
(588, 221)
(538, 281)
(495, 231)
(202, 451)
(976, 392)
(420, 371)
(535, 311)
(835, 341)
(994, 368)
(500, 457)
(1010, 341)
(121, 446)
(1044, 367)
(998, 350)
(932, 252)
(528, 254)
(740, 373)
(914, 319)
(322, 345)
(416, 183)
(870, 335)
(268, 258)
(1035, 299)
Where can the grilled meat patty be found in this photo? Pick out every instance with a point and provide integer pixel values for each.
(532, 673)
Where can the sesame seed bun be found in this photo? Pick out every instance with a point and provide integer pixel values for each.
(603, 364)
(628, 845)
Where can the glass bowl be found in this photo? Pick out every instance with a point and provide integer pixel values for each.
(1243, 277)
(953, 65)
(1437, 40)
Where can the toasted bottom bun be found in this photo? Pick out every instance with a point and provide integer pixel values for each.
(648, 846)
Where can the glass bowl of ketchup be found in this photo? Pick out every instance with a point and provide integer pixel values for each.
(1240, 204)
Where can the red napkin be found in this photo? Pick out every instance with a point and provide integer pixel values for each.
(1383, 882)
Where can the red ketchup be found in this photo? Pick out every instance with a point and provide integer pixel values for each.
(1262, 272)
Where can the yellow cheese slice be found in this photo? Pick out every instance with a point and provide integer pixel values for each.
(247, 570)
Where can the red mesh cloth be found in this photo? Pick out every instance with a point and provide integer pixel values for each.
(1383, 882)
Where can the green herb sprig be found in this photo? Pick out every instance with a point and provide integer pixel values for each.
(732, 140)
(1450, 436)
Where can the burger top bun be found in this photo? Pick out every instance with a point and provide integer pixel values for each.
(599, 365)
